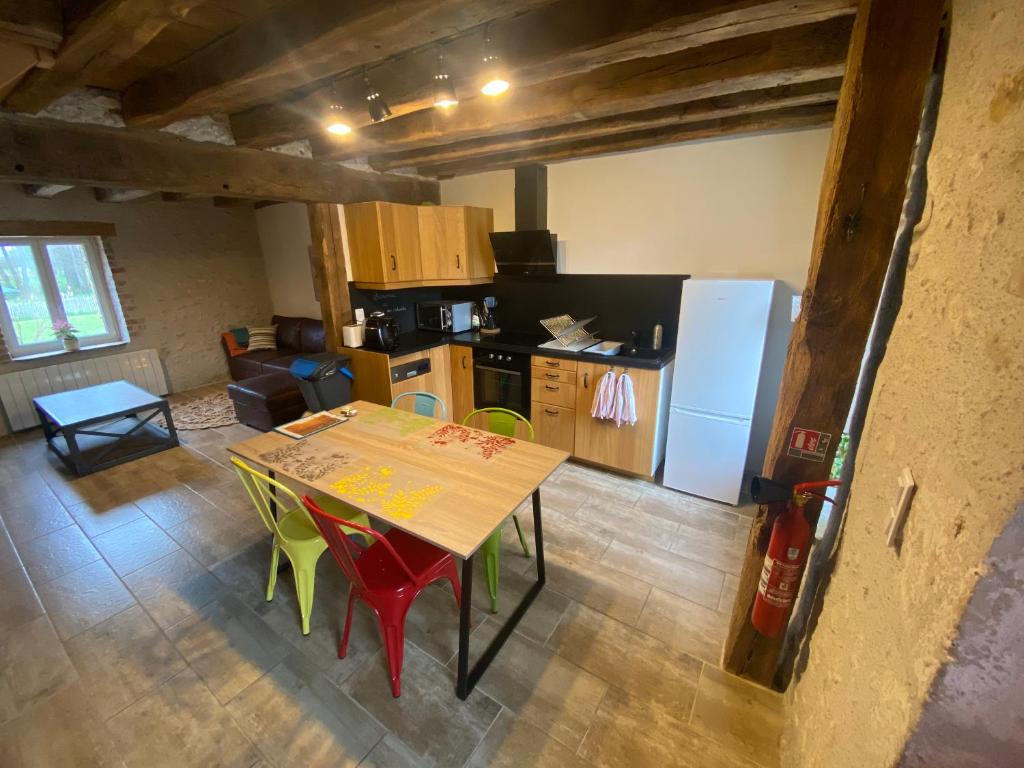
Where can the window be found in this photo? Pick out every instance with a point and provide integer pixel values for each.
(48, 279)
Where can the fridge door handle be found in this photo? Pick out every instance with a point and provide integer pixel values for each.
(731, 418)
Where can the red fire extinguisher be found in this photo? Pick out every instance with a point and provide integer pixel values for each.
(787, 550)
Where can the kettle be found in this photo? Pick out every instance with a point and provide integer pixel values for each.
(381, 332)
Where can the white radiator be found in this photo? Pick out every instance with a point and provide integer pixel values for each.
(141, 368)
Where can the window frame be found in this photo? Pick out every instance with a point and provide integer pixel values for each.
(106, 298)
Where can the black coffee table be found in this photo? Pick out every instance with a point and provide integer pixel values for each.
(97, 427)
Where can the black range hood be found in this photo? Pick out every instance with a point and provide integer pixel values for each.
(529, 252)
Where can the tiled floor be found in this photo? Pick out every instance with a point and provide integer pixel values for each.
(134, 631)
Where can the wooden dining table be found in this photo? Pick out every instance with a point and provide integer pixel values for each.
(445, 483)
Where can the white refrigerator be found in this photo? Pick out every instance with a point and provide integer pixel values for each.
(730, 351)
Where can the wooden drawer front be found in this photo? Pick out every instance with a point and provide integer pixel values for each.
(554, 375)
(555, 363)
(555, 426)
(553, 393)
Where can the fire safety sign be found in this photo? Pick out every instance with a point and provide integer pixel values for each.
(808, 444)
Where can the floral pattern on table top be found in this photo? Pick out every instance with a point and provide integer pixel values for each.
(404, 422)
(374, 485)
(488, 444)
(307, 461)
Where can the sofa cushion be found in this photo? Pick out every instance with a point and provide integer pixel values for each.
(289, 332)
(263, 337)
(312, 337)
(231, 344)
(251, 363)
(281, 364)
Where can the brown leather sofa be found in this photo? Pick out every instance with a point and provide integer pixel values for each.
(265, 394)
(296, 336)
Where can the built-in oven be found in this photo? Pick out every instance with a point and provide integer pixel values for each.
(501, 380)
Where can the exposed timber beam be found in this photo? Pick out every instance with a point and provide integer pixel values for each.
(17, 59)
(42, 151)
(556, 40)
(766, 60)
(45, 191)
(892, 52)
(108, 37)
(328, 252)
(111, 195)
(303, 40)
(34, 22)
(781, 119)
(717, 107)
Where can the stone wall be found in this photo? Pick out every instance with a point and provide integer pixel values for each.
(949, 404)
(184, 272)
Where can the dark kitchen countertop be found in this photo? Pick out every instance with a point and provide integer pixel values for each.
(417, 341)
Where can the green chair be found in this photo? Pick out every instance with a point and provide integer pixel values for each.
(294, 531)
(424, 404)
(501, 421)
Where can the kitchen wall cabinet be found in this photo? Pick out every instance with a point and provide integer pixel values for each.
(637, 449)
(403, 246)
(462, 381)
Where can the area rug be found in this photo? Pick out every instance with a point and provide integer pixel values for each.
(205, 412)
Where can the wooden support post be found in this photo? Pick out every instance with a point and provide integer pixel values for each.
(892, 51)
(329, 255)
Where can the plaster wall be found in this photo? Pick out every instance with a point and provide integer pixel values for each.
(949, 404)
(184, 273)
(734, 207)
(285, 241)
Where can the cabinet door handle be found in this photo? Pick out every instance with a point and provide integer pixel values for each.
(550, 375)
(549, 388)
(458, 264)
(550, 413)
(463, 362)
(552, 363)
(585, 376)
(394, 264)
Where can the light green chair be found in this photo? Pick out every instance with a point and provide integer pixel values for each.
(501, 421)
(424, 404)
(294, 531)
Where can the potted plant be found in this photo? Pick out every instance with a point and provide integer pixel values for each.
(66, 332)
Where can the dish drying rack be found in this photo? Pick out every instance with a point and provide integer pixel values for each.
(569, 335)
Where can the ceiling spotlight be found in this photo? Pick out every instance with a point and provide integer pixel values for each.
(495, 79)
(444, 88)
(334, 118)
(375, 105)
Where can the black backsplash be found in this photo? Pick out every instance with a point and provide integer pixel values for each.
(622, 303)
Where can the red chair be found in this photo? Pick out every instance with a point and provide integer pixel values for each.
(387, 576)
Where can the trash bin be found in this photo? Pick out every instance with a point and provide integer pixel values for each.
(324, 380)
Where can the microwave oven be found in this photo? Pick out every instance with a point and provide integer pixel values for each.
(444, 316)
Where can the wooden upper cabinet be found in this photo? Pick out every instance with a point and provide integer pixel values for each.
(395, 246)
(636, 449)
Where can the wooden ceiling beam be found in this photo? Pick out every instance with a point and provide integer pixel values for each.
(34, 22)
(39, 151)
(115, 32)
(302, 41)
(556, 40)
(731, 105)
(774, 120)
(766, 60)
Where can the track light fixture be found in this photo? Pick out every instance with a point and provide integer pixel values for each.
(444, 88)
(335, 119)
(495, 78)
(375, 104)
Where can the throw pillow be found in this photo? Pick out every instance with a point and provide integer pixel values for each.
(241, 336)
(234, 348)
(264, 337)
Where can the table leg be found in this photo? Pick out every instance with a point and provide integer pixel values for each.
(70, 437)
(468, 678)
(172, 433)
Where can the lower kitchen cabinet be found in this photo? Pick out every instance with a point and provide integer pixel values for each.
(461, 358)
(554, 425)
(373, 380)
(637, 449)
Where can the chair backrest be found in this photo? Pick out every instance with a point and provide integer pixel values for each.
(501, 421)
(346, 552)
(262, 490)
(424, 403)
